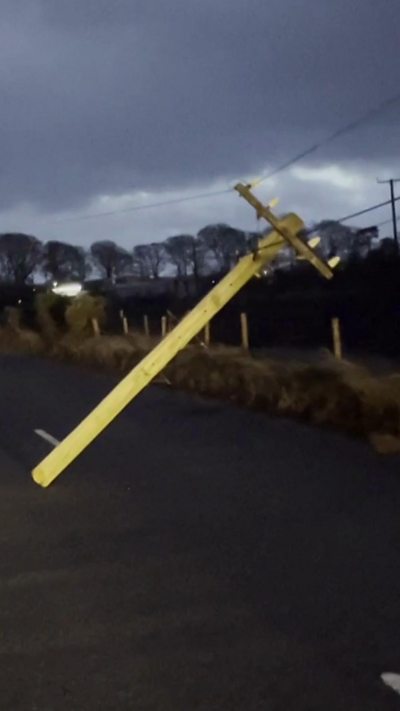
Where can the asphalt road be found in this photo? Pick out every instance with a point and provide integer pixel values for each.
(195, 557)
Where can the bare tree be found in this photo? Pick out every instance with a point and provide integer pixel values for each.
(224, 244)
(365, 238)
(188, 255)
(180, 251)
(199, 259)
(20, 255)
(338, 239)
(150, 259)
(63, 261)
(111, 258)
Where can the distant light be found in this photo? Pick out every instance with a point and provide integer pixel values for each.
(55, 283)
(20, 301)
(70, 289)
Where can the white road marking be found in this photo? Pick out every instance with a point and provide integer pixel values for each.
(48, 437)
(392, 680)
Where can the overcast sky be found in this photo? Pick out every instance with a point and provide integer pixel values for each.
(107, 104)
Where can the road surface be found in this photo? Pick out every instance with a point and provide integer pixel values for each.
(197, 556)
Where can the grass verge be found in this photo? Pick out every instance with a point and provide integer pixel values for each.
(332, 393)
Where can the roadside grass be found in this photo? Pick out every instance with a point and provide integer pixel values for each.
(14, 340)
(331, 393)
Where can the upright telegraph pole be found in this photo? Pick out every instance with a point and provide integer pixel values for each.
(391, 182)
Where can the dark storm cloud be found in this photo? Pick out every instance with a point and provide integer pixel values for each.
(110, 96)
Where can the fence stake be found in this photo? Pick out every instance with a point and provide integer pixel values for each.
(146, 326)
(244, 327)
(125, 325)
(96, 327)
(163, 326)
(171, 319)
(337, 339)
(207, 336)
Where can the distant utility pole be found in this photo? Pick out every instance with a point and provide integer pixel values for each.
(391, 182)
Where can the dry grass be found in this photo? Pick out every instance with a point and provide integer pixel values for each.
(13, 317)
(332, 393)
(118, 353)
(46, 304)
(14, 339)
(342, 396)
(20, 341)
(81, 311)
(384, 443)
(339, 395)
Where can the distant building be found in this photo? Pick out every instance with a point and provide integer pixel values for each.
(129, 286)
(97, 286)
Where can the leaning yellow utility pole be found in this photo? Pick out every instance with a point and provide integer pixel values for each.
(285, 231)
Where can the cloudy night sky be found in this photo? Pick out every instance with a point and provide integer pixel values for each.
(109, 104)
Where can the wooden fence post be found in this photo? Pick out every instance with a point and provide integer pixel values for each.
(146, 326)
(244, 327)
(163, 326)
(96, 327)
(207, 336)
(125, 326)
(170, 321)
(337, 339)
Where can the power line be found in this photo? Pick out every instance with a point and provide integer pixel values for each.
(386, 222)
(147, 206)
(363, 212)
(339, 132)
(201, 196)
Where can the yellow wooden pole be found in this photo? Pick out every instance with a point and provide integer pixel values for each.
(244, 327)
(130, 386)
(60, 457)
(337, 338)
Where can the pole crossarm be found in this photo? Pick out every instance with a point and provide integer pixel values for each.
(291, 238)
(285, 230)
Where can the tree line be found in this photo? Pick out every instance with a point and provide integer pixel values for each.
(214, 250)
